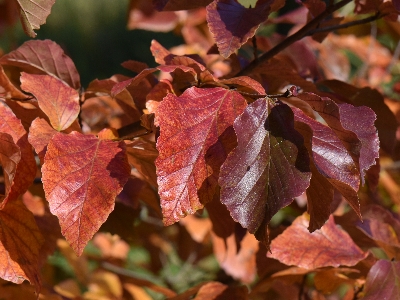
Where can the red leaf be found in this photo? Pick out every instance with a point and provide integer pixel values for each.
(329, 246)
(332, 167)
(57, 100)
(20, 242)
(357, 134)
(81, 178)
(9, 159)
(190, 125)
(232, 24)
(26, 168)
(268, 168)
(33, 13)
(40, 134)
(167, 5)
(383, 281)
(44, 57)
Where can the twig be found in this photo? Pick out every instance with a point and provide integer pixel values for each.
(346, 25)
(293, 38)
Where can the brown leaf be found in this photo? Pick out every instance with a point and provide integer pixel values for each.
(142, 154)
(20, 243)
(328, 246)
(57, 100)
(10, 91)
(81, 178)
(167, 5)
(33, 13)
(26, 168)
(43, 57)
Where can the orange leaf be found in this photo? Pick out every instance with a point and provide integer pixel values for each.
(20, 242)
(9, 159)
(328, 246)
(40, 134)
(82, 175)
(26, 168)
(57, 100)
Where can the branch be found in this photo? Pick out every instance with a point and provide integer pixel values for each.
(293, 38)
(346, 25)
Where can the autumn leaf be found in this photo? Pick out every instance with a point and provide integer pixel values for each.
(332, 168)
(43, 57)
(81, 178)
(8, 90)
(232, 24)
(329, 246)
(20, 242)
(57, 100)
(33, 13)
(382, 281)
(358, 135)
(189, 126)
(142, 154)
(9, 159)
(40, 134)
(240, 263)
(26, 168)
(267, 169)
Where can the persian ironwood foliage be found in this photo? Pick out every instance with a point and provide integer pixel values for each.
(232, 149)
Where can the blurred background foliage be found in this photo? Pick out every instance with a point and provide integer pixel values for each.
(94, 34)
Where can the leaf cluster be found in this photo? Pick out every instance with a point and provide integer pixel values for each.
(252, 143)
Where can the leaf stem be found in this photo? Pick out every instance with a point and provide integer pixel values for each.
(293, 38)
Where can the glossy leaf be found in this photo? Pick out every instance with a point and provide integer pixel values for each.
(383, 281)
(26, 168)
(358, 135)
(332, 168)
(232, 24)
(81, 178)
(20, 243)
(44, 57)
(40, 134)
(329, 246)
(189, 126)
(58, 101)
(167, 5)
(267, 169)
(9, 159)
(33, 13)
